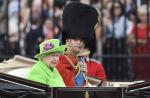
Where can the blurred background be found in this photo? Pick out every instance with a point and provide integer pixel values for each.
(122, 34)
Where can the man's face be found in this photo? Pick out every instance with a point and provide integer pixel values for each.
(75, 45)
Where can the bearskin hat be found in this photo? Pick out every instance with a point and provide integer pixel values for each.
(79, 21)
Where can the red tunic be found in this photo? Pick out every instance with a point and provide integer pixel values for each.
(66, 70)
(95, 69)
(68, 73)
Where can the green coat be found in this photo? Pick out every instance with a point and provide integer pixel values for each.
(41, 73)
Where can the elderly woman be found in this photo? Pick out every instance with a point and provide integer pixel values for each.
(139, 38)
(44, 70)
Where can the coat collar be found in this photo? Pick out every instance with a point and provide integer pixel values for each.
(46, 69)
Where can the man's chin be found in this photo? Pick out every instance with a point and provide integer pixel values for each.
(77, 51)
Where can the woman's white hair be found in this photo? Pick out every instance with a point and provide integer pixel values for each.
(143, 9)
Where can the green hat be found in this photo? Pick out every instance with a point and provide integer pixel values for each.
(50, 46)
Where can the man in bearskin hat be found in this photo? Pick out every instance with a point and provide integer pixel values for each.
(79, 21)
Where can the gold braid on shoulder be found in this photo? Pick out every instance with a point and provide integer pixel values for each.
(75, 67)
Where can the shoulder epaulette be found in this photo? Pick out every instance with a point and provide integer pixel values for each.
(96, 61)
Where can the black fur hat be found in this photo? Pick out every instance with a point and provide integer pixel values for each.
(79, 21)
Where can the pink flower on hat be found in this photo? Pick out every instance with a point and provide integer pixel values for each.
(48, 46)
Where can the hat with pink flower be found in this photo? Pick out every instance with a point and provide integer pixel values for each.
(50, 46)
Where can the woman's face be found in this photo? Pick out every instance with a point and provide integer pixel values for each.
(51, 60)
(117, 9)
(143, 17)
(75, 45)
